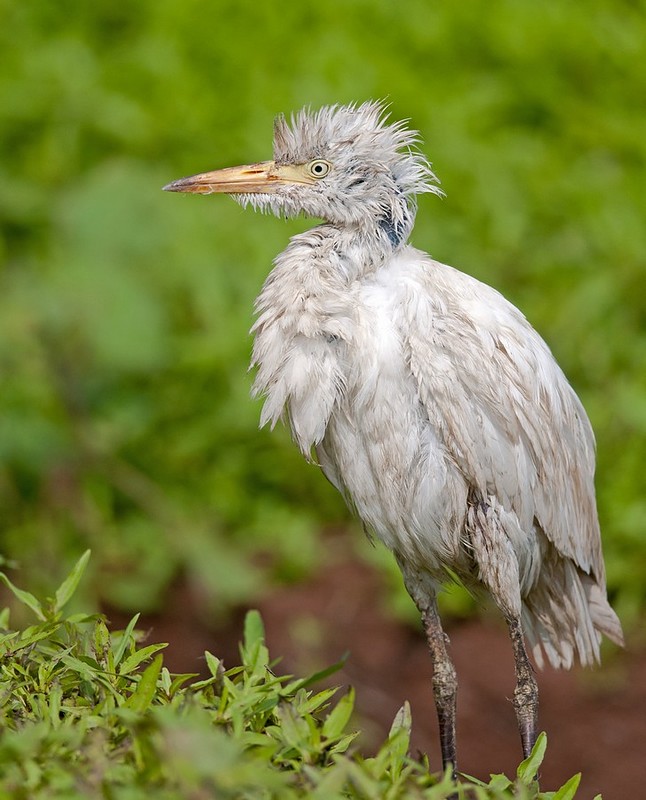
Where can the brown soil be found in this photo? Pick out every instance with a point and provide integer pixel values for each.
(595, 719)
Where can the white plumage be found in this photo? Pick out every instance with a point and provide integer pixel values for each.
(427, 398)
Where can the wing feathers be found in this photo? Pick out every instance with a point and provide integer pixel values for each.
(503, 407)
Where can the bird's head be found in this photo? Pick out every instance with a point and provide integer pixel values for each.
(345, 164)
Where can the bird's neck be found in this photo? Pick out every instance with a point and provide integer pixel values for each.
(360, 250)
(306, 315)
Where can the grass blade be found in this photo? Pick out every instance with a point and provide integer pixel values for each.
(568, 790)
(338, 718)
(26, 598)
(254, 630)
(144, 694)
(68, 587)
(126, 638)
(528, 769)
(303, 683)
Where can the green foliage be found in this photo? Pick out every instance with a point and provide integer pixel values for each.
(85, 713)
(125, 423)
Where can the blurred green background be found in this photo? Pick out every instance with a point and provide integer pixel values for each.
(125, 421)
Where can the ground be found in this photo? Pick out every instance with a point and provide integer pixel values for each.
(595, 719)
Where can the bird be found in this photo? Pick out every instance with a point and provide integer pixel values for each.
(426, 398)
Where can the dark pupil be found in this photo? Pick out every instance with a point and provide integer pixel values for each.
(318, 168)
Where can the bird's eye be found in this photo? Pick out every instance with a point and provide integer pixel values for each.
(319, 168)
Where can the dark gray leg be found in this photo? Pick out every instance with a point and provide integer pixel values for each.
(445, 684)
(526, 691)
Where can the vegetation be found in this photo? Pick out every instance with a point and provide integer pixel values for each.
(88, 714)
(125, 423)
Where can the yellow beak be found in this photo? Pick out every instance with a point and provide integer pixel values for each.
(264, 177)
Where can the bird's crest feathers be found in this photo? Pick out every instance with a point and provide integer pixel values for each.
(351, 133)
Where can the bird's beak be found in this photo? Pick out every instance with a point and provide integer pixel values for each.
(264, 177)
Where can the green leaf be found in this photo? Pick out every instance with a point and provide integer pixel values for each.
(134, 660)
(403, 720)
(68, 587)
(293, 727)
(254, 630)
(144, 694)
(528, 769)
(102, 645)
(344, 742)
(126, 639)
(179, 680)
(7, 640)
(568, 790)
(303, 683)
(316, 701)
(338, 718)
(214, 664)
(85, 670)
(165, 680)
(203, 684)
(26, 598)
(499, 782)
(332, 784)
(476, 781)
(399, 738)
(54, 703)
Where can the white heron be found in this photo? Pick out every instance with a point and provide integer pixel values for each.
(427, 399)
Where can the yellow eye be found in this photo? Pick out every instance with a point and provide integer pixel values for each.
(319, 168)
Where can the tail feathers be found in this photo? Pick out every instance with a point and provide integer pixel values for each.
(604, 618)
(565, 615)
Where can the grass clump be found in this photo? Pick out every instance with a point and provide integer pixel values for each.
(89, 713)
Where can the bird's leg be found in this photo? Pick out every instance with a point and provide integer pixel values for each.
(421, 587)
(445, 684)
(526, 692)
